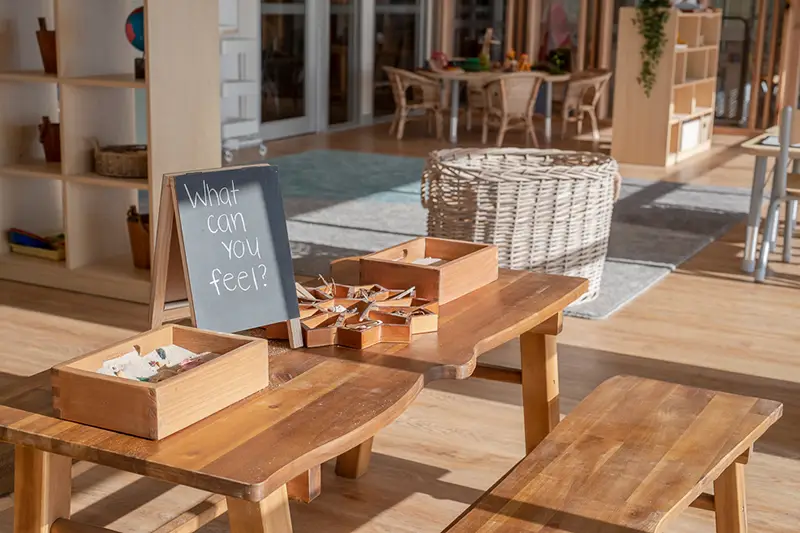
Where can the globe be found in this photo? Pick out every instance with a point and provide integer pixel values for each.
(134, 28)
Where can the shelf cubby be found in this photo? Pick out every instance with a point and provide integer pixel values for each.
(661, 128)
(95, 96)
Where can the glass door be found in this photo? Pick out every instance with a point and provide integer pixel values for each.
(288, 84)
(399, 38)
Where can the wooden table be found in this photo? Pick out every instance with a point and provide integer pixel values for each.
(456, 77)
(323, 403)
(756, 147)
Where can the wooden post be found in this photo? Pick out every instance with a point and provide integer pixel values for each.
(534, 22)
(580, 61)
(447, 13)
(773, 46)
(270, 515)
(354, 463)
(789, 66)
(729, 500)
(755, 82)
(605, 45)
(510, 5)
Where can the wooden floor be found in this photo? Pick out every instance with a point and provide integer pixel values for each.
(705, 325)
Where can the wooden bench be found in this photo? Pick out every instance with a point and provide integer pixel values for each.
(629, 459)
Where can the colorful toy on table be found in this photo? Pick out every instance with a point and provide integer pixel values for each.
(524, 63)
(511, 64)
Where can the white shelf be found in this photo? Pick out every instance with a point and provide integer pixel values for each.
(41, 169)
(683, 117)
(122, 81)
(235, 88)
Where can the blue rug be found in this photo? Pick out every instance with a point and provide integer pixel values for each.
(341, 203)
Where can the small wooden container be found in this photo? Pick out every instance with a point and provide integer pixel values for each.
(50, 137)
(157, 410)
(47, 47)
(462, 267)
(139, 234)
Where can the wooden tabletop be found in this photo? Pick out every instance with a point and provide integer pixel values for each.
(754, 147)
(322, 402)
(471, 76)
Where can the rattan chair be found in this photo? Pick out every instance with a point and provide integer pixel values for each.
(509, 103)
(427, 97)
(583, 93)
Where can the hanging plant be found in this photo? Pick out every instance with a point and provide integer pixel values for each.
(651, 18)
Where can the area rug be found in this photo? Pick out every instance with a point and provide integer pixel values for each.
(341, 203)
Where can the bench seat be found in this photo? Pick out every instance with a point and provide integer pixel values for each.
(634, 454)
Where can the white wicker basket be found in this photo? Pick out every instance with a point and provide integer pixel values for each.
(546, 210)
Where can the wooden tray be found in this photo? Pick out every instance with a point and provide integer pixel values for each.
(58, 254)
(343, 315)
(462, 267)
(157, 410)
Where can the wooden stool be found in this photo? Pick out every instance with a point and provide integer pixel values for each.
(628, 459)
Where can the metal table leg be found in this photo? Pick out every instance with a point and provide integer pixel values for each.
(754, 216)
(548, 111)
(454, 111)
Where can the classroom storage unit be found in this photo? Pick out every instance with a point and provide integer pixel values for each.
(676, 121)
(95, 95)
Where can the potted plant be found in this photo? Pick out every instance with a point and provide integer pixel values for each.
(651, 18)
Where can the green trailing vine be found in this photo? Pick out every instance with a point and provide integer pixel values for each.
(651, 17)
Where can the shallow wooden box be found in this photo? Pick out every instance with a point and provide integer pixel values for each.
(157, 410)
(464, 267)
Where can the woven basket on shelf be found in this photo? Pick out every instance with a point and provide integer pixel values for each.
(123, 161)
(546, 210)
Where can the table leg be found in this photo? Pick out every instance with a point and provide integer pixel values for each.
(754, 216)
(729, 500)
(42, 489)
(539, 361)
(454, 111)
(548, 111)
(270, 515)
(354, 463)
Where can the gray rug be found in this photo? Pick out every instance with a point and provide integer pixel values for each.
(348, 203)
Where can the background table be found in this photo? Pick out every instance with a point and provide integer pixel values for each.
(762, 152)
(456, 77)
(322, 403)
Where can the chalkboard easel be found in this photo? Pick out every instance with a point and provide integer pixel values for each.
(172, 297)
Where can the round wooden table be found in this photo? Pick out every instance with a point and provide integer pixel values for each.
(455, 77)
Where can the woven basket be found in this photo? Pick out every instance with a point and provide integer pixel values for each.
(123, 161)
(545, 210)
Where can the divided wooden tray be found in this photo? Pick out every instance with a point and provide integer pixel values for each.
(157, 410)
(360, 316)
(460, 267)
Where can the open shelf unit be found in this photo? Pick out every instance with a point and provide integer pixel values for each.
(96, 96)
(676, 121)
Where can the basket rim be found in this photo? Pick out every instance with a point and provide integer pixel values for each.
(451, 158)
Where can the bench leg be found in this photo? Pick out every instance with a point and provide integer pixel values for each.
(354, 463)
(270, 515)
(307, 486)
(539, 361)
(729, 500)
(42, 489)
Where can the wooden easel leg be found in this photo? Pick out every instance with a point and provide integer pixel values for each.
(270, 515)
(42, 489)
(295, 334)
(729, 500)
(539, 361)
(354, 463)
(307, 486)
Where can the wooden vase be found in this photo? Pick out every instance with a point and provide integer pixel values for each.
(139, 233)
(47, 47)
(50, 137)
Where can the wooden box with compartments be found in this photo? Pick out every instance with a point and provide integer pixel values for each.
(439, 269)
(227, 368)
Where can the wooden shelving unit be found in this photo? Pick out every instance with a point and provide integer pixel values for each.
(677, 120)
(93, 96)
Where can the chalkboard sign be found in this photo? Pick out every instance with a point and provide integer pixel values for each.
(236, 255)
